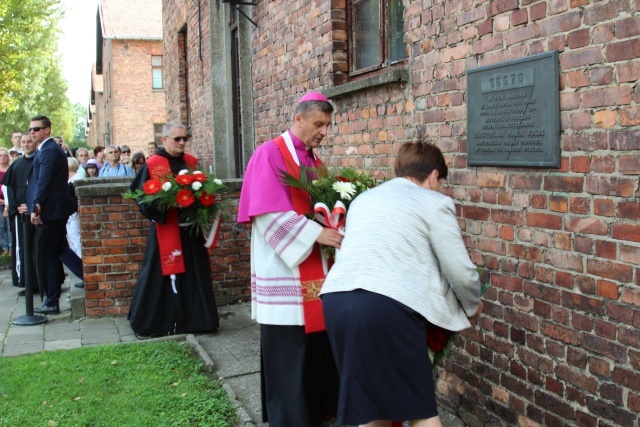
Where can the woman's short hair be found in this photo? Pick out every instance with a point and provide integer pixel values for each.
(135, 158)
(73, 164)
(418, 159)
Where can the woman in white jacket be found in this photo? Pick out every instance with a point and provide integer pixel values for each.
(402, 263)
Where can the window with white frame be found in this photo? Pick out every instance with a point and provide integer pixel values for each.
(156, 72)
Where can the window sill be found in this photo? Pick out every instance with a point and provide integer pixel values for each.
(395, 75)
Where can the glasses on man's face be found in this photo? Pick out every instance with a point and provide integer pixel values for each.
(179, 138)
(126, 151)
(36, 128)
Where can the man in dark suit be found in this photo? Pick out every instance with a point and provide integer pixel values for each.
(50, 204)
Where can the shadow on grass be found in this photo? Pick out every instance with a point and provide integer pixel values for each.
(143, 384)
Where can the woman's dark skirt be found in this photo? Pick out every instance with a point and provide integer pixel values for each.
(380, 348)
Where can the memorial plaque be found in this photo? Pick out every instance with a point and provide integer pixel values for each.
(513, 113)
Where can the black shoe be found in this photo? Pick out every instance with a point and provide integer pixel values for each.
(45, 309)
(79, 285)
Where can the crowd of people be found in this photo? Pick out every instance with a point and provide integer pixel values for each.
(37, 175)
(40, 182)
(36, 182)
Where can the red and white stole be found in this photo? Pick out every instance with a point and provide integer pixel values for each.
(169, 242)
(311, 269)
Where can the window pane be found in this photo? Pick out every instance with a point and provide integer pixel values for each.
(157, 78)
(157, 133)
(395, 31)
(156, 61)
(366, 34)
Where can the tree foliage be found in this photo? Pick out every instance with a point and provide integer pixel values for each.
(80, 137)
(31, 80)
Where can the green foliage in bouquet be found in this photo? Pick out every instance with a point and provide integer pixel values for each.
(195, 194)
(329, 186)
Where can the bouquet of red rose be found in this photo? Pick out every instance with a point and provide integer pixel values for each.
(194, 193)
(331, 191)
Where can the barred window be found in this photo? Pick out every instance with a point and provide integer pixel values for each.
(376, 32)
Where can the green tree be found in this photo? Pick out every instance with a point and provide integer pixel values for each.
(80, 137)
(30, 76)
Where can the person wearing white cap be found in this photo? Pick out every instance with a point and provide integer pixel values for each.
(299, 377)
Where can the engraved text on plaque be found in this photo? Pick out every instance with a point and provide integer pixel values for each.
(513, 113)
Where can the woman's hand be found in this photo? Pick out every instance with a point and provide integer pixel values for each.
(474, 319)
(330, 237)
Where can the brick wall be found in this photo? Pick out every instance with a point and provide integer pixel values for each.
(184, 16)
(114, 238)
(96, 127)
(559, 342)
(135, 106)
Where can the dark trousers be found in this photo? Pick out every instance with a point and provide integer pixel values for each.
(57, 250)
(298, 376)
(16, 233)
(18, 261)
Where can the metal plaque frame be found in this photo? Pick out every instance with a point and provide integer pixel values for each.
(513, 113)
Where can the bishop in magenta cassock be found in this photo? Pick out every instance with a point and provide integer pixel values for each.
(299, 377)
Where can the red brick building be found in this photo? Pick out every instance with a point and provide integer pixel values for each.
(559, 341)
(208, 81)
(95, 122)
(128, 90)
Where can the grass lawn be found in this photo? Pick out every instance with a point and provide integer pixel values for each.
(146, 384)
(5, 261)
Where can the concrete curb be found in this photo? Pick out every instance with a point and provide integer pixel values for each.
(206, 359)
(244, 420)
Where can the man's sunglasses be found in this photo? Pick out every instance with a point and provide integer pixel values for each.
(179, 138)
(37, 128)
(126, 151)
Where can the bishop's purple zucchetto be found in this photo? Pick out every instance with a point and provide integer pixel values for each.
(313, 96)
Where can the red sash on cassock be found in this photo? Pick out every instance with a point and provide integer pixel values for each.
(311, 269)
(169, 242)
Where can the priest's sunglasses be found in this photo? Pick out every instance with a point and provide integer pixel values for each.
(179, 138)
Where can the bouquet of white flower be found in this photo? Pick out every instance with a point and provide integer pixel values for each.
(331, 191)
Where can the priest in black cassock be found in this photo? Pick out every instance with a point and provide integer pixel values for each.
(157, 308)
(16, 181)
